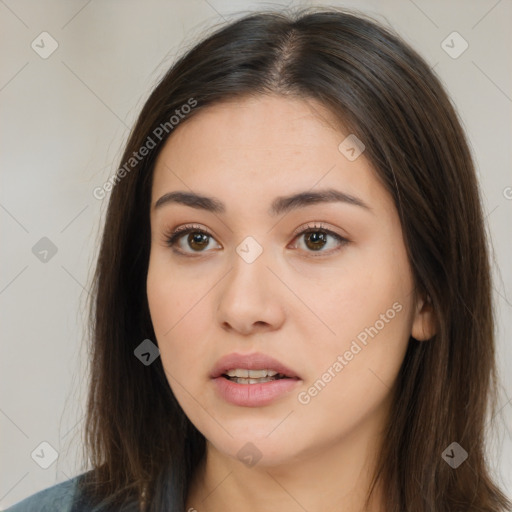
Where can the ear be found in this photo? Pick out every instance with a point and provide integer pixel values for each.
(423, 325)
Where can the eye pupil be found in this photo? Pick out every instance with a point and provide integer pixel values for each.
(198, 238)
(316, 237)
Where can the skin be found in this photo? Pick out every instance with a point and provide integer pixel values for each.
(293, 303)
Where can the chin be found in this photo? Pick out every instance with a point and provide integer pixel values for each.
(257, 448)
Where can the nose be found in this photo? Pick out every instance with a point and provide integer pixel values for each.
(250, 299)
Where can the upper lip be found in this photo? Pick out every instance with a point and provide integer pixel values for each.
(254, 361)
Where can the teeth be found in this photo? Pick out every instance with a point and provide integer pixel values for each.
(251, 374)
(240, 380)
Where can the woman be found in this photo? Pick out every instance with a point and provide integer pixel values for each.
(292, 303)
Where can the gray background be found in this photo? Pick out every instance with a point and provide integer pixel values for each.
(64, 121)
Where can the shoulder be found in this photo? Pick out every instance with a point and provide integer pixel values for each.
(58, 498)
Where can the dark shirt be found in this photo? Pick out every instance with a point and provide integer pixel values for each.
(65, 497)
(59, 498)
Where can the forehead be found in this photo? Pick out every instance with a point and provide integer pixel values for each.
(261, 147)
(263, 123)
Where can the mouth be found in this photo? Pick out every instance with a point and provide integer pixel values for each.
(242, 376)
(251, 367)
(253, 380)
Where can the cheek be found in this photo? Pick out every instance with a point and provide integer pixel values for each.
(352, 374)
(368, 311)
(179, 317)
(181, 324)
(367, 289)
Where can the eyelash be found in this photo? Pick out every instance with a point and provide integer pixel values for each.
(172, 237)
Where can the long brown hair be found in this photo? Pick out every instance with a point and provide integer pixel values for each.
(137, 437)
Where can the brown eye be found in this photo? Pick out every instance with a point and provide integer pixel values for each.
(315, 240)
(317, 237)
(197, 240)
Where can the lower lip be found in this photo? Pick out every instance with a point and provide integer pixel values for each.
(254, 395)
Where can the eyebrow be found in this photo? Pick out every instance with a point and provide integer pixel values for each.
(280, 205)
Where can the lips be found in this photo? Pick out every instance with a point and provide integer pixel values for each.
(254, 361)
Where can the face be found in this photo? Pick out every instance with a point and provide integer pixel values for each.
(324, 288)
